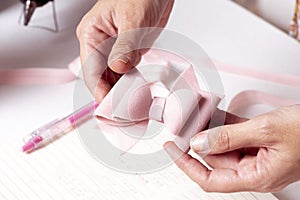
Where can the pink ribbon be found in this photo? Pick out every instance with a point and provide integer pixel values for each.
(136, 100)
(286, 79)
(248, 98)
(169, 95)
(37, 76)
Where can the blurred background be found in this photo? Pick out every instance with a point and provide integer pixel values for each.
(277, 12)
(39, 44)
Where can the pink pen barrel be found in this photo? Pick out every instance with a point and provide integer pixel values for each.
(57, 128)
(82, 113)
(32, 144)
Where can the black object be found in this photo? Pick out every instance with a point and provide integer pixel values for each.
(30, 6)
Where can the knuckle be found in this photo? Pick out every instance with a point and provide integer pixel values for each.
(126, 45)
(133, 16)
(268, 128)
(85, 79)
(263, 184)
(131, 19)
(265, 187)
(279, 188)
(78, 31)
(80, 27)
(206, 188)
(188, 164)
(264, 124)
(223, 141)
(88, 27)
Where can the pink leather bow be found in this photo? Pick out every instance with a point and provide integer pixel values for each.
(167, 94)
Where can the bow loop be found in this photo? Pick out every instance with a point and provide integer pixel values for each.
(133, 99)
(157, 109)
(151, 99)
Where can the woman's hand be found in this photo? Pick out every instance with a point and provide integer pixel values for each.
(104, 38)
(261, 154)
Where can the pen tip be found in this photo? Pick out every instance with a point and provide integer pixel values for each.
(29, 8)
(22, 150)
(27, 147)
(32, 144)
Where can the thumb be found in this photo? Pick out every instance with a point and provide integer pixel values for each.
(230, 137)
(125, 53)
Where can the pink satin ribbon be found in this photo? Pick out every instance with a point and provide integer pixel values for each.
(36, 76)
(29, 76)
(249, 98)
(246, 98)
(153, 100)
(285, 79)
(168, 94)
(40, 76)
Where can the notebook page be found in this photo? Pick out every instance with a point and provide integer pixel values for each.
(65, 170)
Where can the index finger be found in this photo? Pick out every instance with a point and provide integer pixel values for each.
(94, 50)
(217, 180)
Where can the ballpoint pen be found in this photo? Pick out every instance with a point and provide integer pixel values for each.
(56, 128)
(30, 6)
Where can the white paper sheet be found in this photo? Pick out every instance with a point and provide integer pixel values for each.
(65, 170)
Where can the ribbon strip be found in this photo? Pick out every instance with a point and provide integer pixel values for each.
(285, 79)
(158, 97)
(248, 98)
(38, 76)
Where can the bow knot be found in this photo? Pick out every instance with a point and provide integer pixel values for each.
(136, 98)
(162, 92)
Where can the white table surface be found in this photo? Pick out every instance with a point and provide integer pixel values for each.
(224, 30)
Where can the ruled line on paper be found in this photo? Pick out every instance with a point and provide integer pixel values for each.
(65, 170)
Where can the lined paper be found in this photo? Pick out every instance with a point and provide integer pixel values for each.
(65, 170)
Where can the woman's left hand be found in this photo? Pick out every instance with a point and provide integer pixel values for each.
(261, 154)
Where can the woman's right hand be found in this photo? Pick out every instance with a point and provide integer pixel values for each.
(112, 19)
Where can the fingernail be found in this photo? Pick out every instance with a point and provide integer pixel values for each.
(120, 65)
(199, 143)
(173, 151)
(122, 59)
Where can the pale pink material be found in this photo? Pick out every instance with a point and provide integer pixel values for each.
(176, 103)
(37, 76)
(27, 76)
(184, 110)
(252, 97)
(158, 97)
(136, 100)
(157, 109)
(286, 79)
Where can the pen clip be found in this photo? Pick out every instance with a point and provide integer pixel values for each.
(36, 132)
